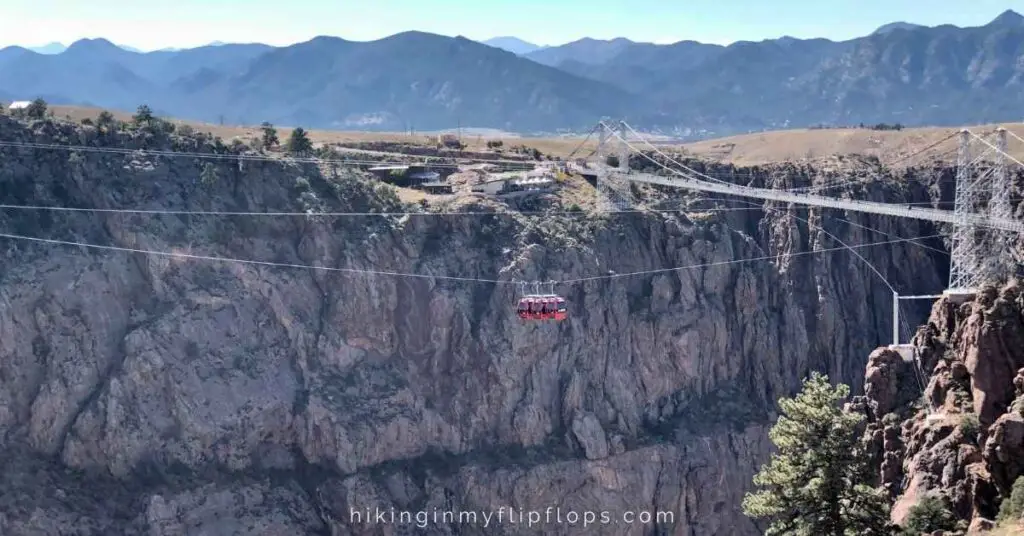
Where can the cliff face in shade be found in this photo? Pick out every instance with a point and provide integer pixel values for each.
(156, 395)
(961, 436)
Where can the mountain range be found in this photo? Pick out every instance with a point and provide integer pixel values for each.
(901, 73)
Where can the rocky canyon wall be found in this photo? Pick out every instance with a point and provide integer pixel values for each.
(953, 428)
(158, 395)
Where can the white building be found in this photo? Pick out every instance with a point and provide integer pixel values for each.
(19, 105)
(508, 186)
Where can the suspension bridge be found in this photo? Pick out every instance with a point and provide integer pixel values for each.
(983, 221)
(984, 226)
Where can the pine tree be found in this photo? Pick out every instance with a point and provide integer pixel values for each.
(143, 116)
(37, 109)
(106, 120)
(814, 484)
(298, 142)
(269, 135)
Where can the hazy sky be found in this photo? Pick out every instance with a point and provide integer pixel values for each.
(154, 24)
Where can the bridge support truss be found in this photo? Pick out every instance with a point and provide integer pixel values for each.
(980, 255)
(615, 194)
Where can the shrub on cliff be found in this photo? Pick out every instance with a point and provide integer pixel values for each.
(1012, 508)
(932, 513)
(814, 484)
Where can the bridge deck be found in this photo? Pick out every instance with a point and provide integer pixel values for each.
(902, 211)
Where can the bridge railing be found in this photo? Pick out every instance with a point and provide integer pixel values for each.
(930, 214)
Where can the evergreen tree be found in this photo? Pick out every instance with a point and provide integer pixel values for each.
(269, 135)
(106, 120)
(814, 484)
(37, 109)
(143, 116)
(298, 142)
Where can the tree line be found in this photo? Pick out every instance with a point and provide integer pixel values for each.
(298, 142)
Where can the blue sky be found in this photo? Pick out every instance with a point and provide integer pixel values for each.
(154, 24)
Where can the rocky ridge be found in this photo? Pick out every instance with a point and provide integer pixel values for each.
(149, 394)
(961, 437)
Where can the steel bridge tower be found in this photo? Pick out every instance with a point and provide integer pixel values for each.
(612, 141)
(978, 254)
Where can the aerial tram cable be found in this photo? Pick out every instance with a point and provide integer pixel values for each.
(536, 297)
(193, 256)
(171, 212)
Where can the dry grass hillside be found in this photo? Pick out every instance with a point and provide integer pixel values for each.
(552, 146)
(889, 146)
(748, 149)
(1017, 530)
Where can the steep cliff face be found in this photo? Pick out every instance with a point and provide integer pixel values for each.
(153, 394)
(962, 412)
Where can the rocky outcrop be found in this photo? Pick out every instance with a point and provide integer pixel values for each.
(963, 435)
(237, 397)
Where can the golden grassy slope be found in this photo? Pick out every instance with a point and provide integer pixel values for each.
(889, 146)
(747, 149)
(553, 146)
(1007, 531)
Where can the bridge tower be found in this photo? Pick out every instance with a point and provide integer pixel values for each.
(979, 255)
(603, 135)
(624, 151)
(613, 192)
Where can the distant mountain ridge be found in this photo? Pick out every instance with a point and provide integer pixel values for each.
(902, 73)
(513, 45)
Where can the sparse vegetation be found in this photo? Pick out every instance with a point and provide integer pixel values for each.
(932, 513)
(969, 425)
(815, 483)
(886, 126)
(1012, 509)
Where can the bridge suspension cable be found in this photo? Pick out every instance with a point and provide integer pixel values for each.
(718, 186)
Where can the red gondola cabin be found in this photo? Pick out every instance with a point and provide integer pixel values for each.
(542, 308)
